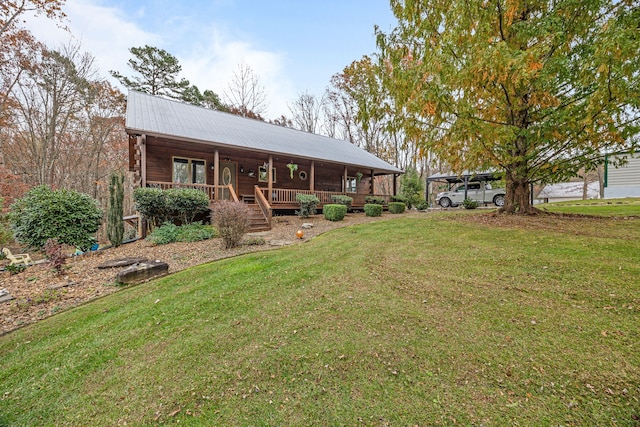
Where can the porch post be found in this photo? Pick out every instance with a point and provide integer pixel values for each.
(312, 177)
(270, 180)
(395, 183)
(344, 181)
(142, 139)
(216, 175)
(372, 189)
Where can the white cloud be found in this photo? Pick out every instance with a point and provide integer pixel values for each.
(211, 65)
(208, 61)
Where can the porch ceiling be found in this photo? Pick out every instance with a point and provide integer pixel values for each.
(152, 115)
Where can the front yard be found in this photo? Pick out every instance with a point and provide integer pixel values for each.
(441, 319)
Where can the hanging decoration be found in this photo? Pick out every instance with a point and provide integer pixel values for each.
(292, 168)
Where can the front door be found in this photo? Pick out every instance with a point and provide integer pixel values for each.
(227, 176)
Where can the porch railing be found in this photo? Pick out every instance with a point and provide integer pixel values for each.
(223, 192)
(282, 196)
(263, 203)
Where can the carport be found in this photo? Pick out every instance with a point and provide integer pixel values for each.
(464, 177)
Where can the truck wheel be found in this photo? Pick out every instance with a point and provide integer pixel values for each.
(499, 200)
(445, 202)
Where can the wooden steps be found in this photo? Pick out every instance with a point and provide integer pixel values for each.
(257, 220)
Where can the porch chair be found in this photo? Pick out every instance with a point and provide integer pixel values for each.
(17, 259)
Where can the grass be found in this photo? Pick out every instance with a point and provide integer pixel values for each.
(605, 207)
(441, 320)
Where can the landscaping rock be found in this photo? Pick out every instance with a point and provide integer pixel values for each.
(5, 296)
(122, 262)
(142, 272)
(307, 225)
(280, 242)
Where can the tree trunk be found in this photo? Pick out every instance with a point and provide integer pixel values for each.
(518, 195)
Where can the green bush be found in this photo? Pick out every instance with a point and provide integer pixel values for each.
(173, 205)
(334, 212)
(195, 232)
(68, 216)
(373, 209)
(152, 204)
(397, 207)
(232, 221)
(186, 203)
(342, 200)
(422, 205)
(166, 233)
(469, 203)
(374, 200)
(171, 233)
(6, 235)
(402, 199)
(15, 268)
(308, 204)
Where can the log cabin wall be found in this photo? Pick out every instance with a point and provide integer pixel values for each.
(328, 177)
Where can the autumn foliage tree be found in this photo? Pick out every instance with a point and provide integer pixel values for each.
(538, 89)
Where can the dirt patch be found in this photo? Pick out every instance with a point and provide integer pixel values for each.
(39, 292)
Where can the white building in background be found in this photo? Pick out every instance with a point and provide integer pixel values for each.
(622, 181)
(565, 191)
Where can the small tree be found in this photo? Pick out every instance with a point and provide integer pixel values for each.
(115, 225)
(66, 215)
(232, 221)
(411, 187)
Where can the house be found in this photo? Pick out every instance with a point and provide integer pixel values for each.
(622, 180)
(565, 191)
(176, 145)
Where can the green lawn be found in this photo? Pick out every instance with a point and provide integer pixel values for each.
(445, 319)
(606, 207)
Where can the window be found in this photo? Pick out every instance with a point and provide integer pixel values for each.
(189, 171)
(351, 185)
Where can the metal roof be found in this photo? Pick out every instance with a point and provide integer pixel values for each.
(156, 116)
(470, 176)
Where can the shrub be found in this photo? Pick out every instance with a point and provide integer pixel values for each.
(308, 204)
(166, 233)
(373, 209)
(195, 232)
(397, 207)
(186, 203)
(402, 199)
(15, 268)
(342, 200)
(152, 204)
(422, 205)
(334, 212)
(56, 256)
(115, 224)
(374, 200)
(170, 233)
(65, 215)
(469, 203)
(232, 221)
(6, 235)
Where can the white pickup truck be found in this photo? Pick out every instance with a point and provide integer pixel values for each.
(481, 192)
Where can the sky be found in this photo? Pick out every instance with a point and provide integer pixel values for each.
(292, 46)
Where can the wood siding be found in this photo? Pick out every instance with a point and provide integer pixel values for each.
(328, 177)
